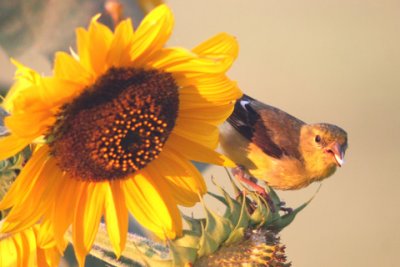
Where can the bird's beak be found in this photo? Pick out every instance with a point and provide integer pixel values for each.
(337, 152)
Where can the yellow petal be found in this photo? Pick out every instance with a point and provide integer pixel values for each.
(67, 200)
(25, 78)
(11, 145)
(221, 45)
(8, 253)
(116, 216)
(153, 32)
(178, 176)
(29, 126)
(165, 58)
(30, 208)
(87, 218)
(100, 38)
(47, 234)
(27, 92)
(207, 90)
(152, 206)
(25, 244)
(121, 44)
(26, 180)
(194, 65)
(49, 256)
(215, 116)
(82, 44)
(58, 91)
(202, 132)
(179, 60)
(68, 68)
(196, 151)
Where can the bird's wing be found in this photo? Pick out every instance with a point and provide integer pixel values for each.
(274, 131)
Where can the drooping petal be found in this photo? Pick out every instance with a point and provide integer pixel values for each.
(29, 126)
(25, 245)
(207, 90)
(116, 216)
(31, 207)
(18, 249)
(153, 32)
(26, 180)
(196, 151)
(87, 218)
(166, 58)
(178, 177)
(21, 250)
(25, 78)
(152, 206)
(11, 145)
(51, 221)
(215, 55)
(67, 200)
(217, 115)
(203, 132)
(189, 64)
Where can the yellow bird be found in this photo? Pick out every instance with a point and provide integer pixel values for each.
(269, 144)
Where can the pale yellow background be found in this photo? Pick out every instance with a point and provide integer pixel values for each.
(331, 61)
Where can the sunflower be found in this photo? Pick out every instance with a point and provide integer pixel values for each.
(115, 129)
(20, 249)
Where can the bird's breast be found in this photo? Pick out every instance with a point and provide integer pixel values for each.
(285, 173)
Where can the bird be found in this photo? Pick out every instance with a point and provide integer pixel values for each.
(268, 144)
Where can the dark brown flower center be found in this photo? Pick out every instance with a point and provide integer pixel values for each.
(116, 126)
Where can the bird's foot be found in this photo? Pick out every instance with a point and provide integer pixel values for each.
(282, 207)
(251, 182)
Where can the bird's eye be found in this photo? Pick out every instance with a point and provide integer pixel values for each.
(317, 138)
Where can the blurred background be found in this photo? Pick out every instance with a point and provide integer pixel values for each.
(322, 61)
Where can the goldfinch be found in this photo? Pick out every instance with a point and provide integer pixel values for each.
(285, 152)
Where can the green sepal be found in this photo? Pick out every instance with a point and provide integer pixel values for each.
(233, 207)
(195, 225)
(215, 232)
(280, 222)
(262, 211)
(207, 244)
(182, 254)
(244, 218)
(236, 236)
(189, 239)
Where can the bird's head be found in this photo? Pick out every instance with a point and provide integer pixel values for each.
(323, 147)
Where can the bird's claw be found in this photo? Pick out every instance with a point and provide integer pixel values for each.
(282, 207)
